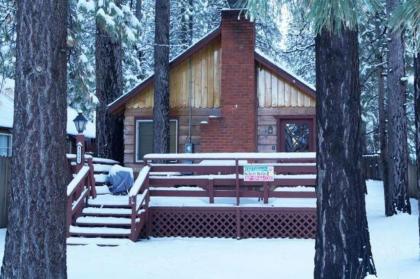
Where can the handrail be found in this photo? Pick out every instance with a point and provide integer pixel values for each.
(78, 191)
(139, 204)
(141, 178)
(71, 188)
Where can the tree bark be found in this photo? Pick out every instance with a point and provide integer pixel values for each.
(109, 86)
(388, 196)
(342, 243)
(417, 117)
(36, 239)
(161, 95)
(397, 119)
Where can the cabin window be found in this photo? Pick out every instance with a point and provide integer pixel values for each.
(296, 135)
(5, 145)
(144, 137)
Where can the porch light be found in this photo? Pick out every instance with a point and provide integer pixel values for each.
(80, 123)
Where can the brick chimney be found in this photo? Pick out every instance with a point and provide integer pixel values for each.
(236, 130)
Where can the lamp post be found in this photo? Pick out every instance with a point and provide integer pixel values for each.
(80, 123)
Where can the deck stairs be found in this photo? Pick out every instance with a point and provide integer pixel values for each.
(106, 219)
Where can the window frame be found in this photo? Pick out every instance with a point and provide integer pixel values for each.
(139, 120)
(11, 143)
(310, 119)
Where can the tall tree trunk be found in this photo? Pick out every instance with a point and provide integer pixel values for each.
(388, 196)
(342, 243)
(417, 112)
(397, 119)
(109, 86)
(35, 239)
(161, 95)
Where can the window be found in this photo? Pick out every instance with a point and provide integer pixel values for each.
(5, 145)
(144, 137)
(296, 135)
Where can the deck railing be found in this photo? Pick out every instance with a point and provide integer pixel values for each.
(139, 198)
(79, 190)
(221, 175)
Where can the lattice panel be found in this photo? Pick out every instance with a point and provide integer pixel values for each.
(289, 223)
(193, 222)
(223, 222)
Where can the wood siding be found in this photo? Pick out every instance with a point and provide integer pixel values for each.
(274, 92)
(269, 117)
(201, 74)
(181, 114)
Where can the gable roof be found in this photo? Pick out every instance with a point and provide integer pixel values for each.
(118, 105)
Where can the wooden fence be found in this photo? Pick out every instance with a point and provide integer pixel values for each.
(5, 168)
(372, 169)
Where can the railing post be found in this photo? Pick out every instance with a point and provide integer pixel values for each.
(211, 190)
(69, 215)
(266, 190)
(91, 179)
(237, 181)
(133, 203)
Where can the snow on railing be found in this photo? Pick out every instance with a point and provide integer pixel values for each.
(139, 181)
(77, 180)
(232, 156)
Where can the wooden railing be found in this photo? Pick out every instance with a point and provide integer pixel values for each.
(221, 175)
(139, 199)
(78, 191)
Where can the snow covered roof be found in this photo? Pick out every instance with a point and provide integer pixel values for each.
(6, 103)
(7, 106)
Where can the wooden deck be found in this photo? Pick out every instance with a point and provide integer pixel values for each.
(204, 195)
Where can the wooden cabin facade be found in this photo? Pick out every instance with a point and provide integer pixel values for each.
(225, 96)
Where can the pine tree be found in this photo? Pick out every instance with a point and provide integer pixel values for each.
(161, 93)
(397, 120)
(109, 82)
(36, 239)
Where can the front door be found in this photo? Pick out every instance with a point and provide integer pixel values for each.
(296, 134)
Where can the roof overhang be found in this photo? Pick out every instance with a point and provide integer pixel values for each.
(286, 75)
(118, 105)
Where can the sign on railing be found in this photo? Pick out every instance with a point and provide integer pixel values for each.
(258, 173)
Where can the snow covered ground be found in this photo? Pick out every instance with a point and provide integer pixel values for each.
(394, 241)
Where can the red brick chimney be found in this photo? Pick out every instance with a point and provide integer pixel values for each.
(236, 130)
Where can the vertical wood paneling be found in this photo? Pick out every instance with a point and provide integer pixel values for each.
(261, 95)
(206, 77)
(275, 92)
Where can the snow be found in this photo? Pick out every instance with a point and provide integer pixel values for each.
(7, 107)
(76, 180)
(231, 156)
(6, 103)
(90, 131)
(104, 220)
(394, 240)
(139, 181)
(98, 230)
(230, 202)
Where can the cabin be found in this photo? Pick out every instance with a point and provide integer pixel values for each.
(240, 166)
(225, 96)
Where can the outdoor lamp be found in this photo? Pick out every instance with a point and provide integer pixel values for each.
(80, 123)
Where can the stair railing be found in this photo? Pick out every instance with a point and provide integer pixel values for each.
(139, 199)
(78, 191)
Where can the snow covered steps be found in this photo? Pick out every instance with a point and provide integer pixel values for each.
(99, 241)
(88, 221)
(99, 232)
